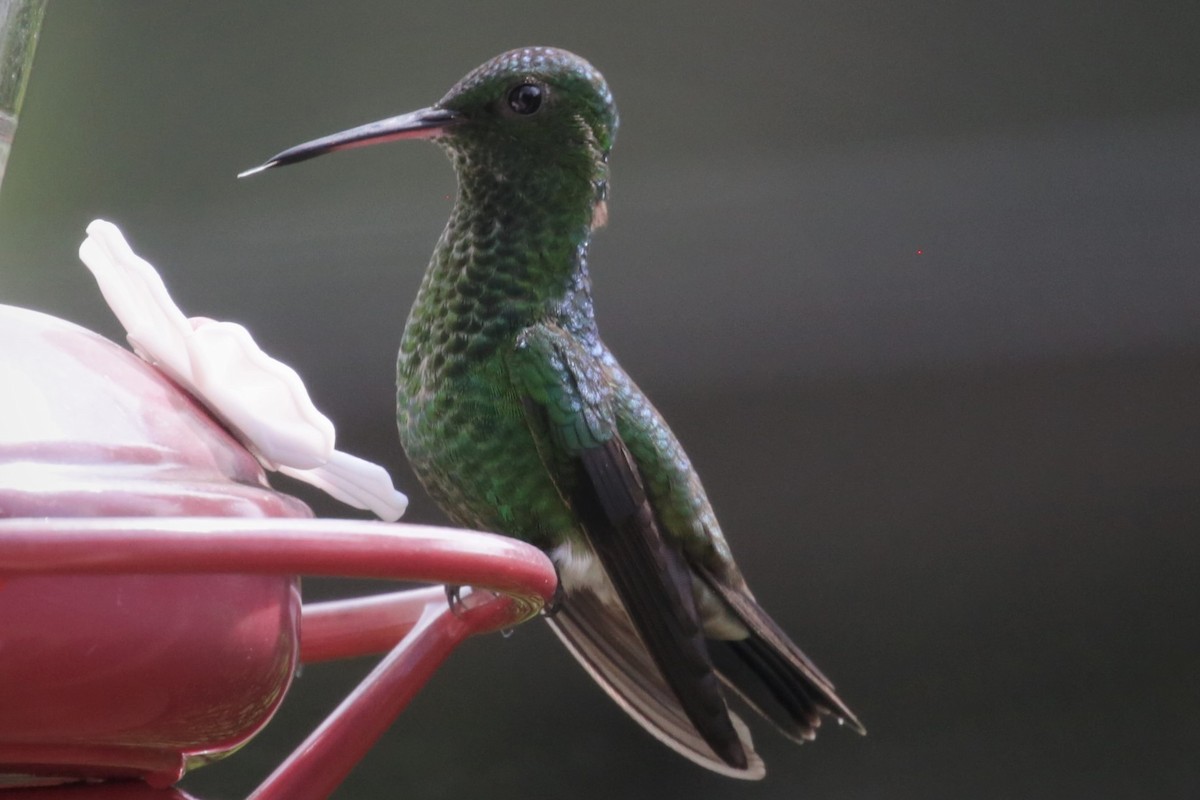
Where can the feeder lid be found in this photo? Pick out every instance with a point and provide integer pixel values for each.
(89, 429)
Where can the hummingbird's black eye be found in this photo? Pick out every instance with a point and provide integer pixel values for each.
(525, 99)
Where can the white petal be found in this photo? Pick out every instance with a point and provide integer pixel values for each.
(263, 401)
(262, 398)
(356, 483)
(137, 296)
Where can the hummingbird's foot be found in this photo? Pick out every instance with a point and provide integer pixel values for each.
(552, 608)
(455, 600)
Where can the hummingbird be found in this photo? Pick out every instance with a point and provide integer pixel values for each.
(518, 419)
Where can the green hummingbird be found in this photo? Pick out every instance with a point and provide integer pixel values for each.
(517, 418)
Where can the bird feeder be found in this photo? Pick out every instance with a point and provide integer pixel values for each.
(150, 613)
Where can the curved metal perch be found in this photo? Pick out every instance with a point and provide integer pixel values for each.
(512, 582)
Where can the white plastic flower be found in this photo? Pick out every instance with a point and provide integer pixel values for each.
(263, 401)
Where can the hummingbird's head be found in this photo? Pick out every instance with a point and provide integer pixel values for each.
(533, 116)
(536, 107)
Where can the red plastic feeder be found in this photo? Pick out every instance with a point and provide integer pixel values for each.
(150, 616)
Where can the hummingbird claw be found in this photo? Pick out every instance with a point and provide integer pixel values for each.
(555, 604)
(454, 600)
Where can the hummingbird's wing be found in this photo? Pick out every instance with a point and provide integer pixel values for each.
(605, 643)
(761, 663)
(568, 406)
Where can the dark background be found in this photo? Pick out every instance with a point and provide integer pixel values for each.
(916, 283)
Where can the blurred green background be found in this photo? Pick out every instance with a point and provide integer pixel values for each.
(917, 284)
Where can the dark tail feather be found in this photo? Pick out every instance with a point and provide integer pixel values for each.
(772, 675)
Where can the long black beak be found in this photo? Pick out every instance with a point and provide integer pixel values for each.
(424, 124)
